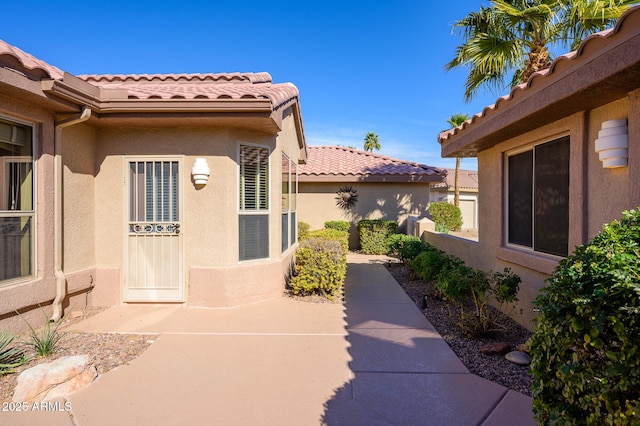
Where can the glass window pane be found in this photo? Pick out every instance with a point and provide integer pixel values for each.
(285, 231)
(551, 218)
(254, 236)
(285, 182)
(15, 247)
(254, 178)
(520, 187)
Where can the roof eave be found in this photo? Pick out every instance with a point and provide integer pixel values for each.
(372, 178)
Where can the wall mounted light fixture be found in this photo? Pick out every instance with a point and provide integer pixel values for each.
(612, 144)
(200, 171)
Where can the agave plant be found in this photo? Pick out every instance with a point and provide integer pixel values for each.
(10, 356)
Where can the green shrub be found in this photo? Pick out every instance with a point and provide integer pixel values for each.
(334, 235)
(10, 357)
(428, 264)
(321, 267)
(340, 225)
(586, 344)
(303, 230)
(374, 233)
(405, 247)
(447, 217)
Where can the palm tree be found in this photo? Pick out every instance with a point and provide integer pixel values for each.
(454, 121)
(514, 37)
(371, 142)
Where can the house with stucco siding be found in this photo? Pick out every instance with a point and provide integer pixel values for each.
(558, 157)
(468, 190)
(386, 188)
(155, 188)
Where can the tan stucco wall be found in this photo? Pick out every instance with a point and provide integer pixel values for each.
(210, 214)
(389, 201)
(597, 196)
(27, 294)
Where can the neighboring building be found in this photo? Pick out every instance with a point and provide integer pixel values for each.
(387, 188)
(100, 192)
(545, 189)
(468, 187)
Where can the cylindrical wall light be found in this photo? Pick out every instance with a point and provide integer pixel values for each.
(200, 171)
(612, 144)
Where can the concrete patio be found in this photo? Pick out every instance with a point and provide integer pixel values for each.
(374, 360)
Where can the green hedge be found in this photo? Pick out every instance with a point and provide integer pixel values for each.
(585, 348)
(303, 230)
(374, 234)
(320, 267)
(340, 225)
(405, 247)
(447, 217)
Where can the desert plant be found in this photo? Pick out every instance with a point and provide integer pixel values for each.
(585, 348)
(46, 340)
(428, 264)
(10, 356)
(447, 217)
(374, 233)
(340, 225)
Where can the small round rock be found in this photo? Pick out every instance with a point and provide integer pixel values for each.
(518, 357)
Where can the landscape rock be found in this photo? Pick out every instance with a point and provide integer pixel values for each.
(55, 379)
(518, 357)
(498, 348)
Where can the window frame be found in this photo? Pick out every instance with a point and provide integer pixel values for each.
(290, 209)
(30, 213)
(506, 175)
(243, 211)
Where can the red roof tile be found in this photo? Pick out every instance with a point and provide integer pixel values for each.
(28, 64)
(198, 86)
(337, 163)
(467, 180)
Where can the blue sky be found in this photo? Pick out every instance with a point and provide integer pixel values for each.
(360, 66)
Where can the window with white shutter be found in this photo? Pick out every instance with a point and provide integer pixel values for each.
(253, 202)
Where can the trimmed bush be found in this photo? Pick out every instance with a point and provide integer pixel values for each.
(320, 266)
(405, 247)
(303, 230)
(447, 217)
(428, 264)
(586, 344)
(340, 225)
(374, 234)
(334, 235)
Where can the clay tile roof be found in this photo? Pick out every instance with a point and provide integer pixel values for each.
(198, 86)
(467, 180)
(338, 163)
(28, 64)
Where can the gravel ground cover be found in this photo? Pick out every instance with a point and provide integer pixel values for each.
(107, 351)
(442, 316)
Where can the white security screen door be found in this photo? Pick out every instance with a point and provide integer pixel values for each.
(154, 254)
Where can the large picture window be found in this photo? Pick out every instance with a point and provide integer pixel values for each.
(254, 202)
(289, 198)
(538, 198)
(16, 200)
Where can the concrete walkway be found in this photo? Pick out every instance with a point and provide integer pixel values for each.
(374, 360)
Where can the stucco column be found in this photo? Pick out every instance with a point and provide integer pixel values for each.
(634, 148)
